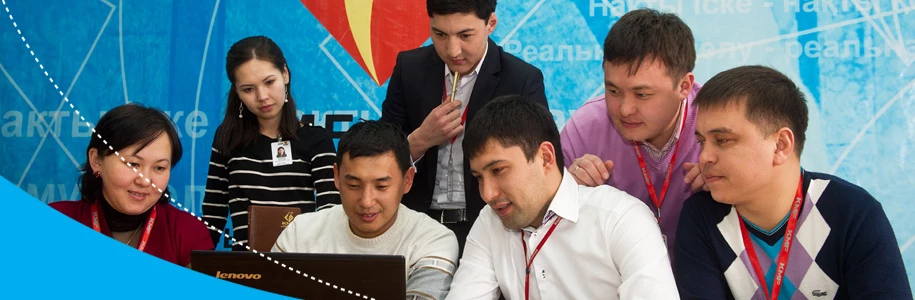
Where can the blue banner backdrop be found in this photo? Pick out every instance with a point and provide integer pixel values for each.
(853, 59)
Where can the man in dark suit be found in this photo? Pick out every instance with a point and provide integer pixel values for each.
(421, 101)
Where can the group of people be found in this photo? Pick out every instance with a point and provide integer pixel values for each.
(662, 188)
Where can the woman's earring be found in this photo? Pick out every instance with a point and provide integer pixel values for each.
(97, 174)
(287, 95)
(239, 110)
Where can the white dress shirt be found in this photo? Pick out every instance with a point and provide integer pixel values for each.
(607, 246)
(448, 191)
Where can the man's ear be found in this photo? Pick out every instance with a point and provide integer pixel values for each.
(336, 176)
(491, 23)
(685, 85)
(784, 145)
(547, 153)
(408, 180)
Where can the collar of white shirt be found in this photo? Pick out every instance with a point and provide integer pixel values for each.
(564, 204)
(658, 154)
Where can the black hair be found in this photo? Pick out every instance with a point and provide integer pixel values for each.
(513, 120)
(648, 34)
(237, 132)
(481, 8)
(772, 100)
(125, 126)
(374, 138)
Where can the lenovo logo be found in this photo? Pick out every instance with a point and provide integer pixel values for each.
(237, 275)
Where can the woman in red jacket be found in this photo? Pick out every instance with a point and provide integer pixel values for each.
(124, 186)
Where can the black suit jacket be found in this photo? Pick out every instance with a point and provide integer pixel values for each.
(416, 89)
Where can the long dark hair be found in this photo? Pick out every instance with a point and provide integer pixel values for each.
(124, 126)
(234, 132)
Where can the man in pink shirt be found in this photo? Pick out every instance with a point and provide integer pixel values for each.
(638, 137)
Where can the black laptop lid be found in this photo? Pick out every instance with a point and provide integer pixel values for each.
(376, 276)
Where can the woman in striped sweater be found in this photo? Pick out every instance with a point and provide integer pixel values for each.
(261, 117)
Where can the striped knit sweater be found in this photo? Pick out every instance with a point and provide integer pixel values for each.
(248, 177)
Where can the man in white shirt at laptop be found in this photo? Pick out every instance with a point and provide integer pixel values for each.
(541, 235)
(372, 172)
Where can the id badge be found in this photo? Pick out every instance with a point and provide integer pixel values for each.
(281, 153)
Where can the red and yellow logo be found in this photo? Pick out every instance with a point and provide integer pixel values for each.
(374, 31)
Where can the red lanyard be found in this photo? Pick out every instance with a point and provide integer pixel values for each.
(463, 115)
(527, 269)
(670, 169)
(786, 246)
(149, 225)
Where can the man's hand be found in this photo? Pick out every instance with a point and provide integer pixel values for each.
(588, 170)
(442, 124)
(694, 177)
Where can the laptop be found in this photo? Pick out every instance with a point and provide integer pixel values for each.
(375, 276)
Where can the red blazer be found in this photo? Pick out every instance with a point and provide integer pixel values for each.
(174, 235)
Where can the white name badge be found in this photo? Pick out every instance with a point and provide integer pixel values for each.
(282, 153)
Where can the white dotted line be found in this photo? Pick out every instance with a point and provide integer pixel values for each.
(234, 241)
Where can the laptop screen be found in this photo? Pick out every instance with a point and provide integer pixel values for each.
(329, 276)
